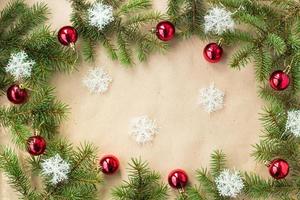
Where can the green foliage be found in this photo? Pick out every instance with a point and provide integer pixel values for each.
(21, 28)
(142, 184)
(187, 15)
(207, 188)
(126, 35)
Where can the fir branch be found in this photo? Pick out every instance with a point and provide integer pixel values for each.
(217, 163)
(12, 168)
(143, 184)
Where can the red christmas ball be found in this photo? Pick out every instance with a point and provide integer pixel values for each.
(109, 164)
(178, 178)
(36, 145)
(279, 169)
(279, 80)
(17, 94)
(165, 30)
(67, 35)
(213, 52)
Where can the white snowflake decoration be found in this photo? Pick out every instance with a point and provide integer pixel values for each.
(100, 15)
(143, 129)
(218, 20)
(293, 122)
(97, 80)
(19, 65)
(229, 184)
(211, 98)
(57, 168)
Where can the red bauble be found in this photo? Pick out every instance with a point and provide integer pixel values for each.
(279, 169)
(178, 179)
(109, 164)
(16, 94)
(213, 52)
(36, 145)
(279, 80)
(67, 35)
(165, 30)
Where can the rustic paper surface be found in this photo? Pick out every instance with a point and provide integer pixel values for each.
(165, 88)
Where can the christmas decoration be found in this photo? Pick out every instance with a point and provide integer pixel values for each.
(229, 184)
(178, 179)
(211, 98)
(36, 145)
(279, 80)
(21, 27)
(57, 168)
(19, 65)
(213, 52)
(109, 164)
(97, 80)
(218, 20)
(165, 30)
(17, 94)
(100, 15)
(67, 36)
(279, 168)
(120, 31)
(293, 122)
(143, 129)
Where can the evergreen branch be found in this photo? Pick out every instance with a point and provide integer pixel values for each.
(17, 178)
(8, 15)
(133, 6)
(217, 163)
(143, 184)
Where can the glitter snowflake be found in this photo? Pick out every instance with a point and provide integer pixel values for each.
(143, 129)
(211, 98)
(229, 184)
(57, 168)
(218, 20)
(19, 65)
(97, 80)
(100, 15)
(293, 122)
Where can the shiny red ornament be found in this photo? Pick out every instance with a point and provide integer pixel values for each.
(17, 94)
(36, 145)
(279, 80)
(178, 178)
(279, 168)
(67, 35)
(213, 52)
(165, 30)
(109, 164)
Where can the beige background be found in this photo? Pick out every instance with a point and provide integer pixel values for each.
(166, 89)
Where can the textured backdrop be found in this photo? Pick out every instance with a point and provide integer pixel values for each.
(166, 89)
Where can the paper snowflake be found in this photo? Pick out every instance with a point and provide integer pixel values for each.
(229, 184)
(293, 122)
(143, 129)
(218, 20)
(19, 65)
(57, 168)
(100, 15)
(97, 80)
(211, 98)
